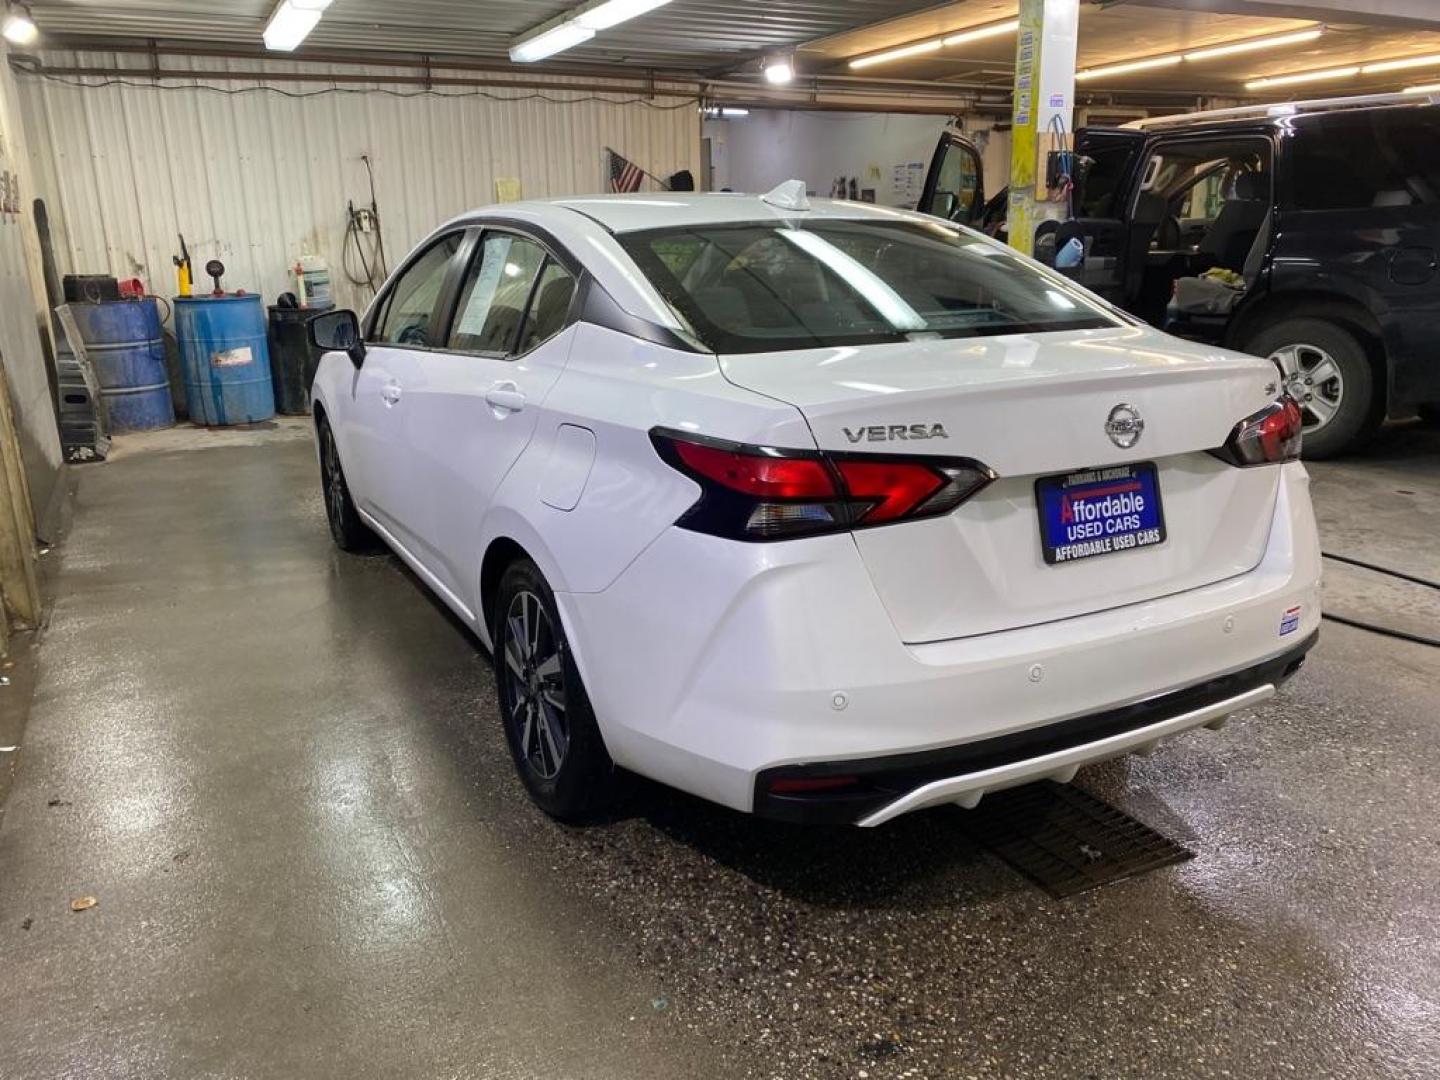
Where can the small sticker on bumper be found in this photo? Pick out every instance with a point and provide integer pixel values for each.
(1290, 621)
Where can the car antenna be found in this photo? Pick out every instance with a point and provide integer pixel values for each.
(789, 195)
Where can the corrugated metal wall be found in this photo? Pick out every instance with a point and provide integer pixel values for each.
(258, 177)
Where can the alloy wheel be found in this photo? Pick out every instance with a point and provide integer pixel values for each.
(534, 684)
(334, 481)
(1314, 379)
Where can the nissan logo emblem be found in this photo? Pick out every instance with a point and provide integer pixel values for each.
(1124, 426)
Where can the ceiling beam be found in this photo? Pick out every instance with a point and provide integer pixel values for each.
(1404, 14)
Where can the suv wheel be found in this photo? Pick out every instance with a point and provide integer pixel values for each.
(549, 724)
(1324, 367)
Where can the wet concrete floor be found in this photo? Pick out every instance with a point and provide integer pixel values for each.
(279, 770)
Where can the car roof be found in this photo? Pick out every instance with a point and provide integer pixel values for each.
(661, 209)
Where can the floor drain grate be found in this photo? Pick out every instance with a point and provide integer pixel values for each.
(1066, 840)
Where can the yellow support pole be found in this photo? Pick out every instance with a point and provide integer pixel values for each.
(1044, 90)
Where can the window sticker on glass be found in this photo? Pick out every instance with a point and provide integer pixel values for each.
(492, 268)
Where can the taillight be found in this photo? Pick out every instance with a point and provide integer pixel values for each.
(1269, 436)
(765, 493)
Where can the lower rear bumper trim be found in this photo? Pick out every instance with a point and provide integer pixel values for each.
(879, 789)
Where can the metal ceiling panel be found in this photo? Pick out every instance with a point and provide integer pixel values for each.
(685, 34)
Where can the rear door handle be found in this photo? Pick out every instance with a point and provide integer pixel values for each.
(505, 397)
(390, 392)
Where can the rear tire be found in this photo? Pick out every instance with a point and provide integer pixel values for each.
(550, 726)
(350, 533)
(1326, 369)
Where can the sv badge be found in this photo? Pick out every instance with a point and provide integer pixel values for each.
(887, 432)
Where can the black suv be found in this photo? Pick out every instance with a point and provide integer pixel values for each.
(1307, 233)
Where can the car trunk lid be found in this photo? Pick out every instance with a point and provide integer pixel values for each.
(1031, 406)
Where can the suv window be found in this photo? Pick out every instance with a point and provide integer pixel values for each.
(1358, 160)
(410, 308)
(496, 290)
(1103, 178)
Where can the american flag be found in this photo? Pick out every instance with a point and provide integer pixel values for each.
(625, 175)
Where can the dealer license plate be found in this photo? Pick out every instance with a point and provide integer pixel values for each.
(1099, 512)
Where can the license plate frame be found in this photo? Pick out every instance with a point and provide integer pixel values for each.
(1125, 491)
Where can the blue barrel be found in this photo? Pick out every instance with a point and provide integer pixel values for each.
(226, 360)
(124, 344)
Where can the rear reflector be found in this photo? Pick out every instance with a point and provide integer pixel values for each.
(765, 493)
(1267, 437)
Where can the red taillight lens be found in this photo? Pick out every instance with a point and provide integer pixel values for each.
(893, 487)
(761, 493)
(1267, 437)
(763, 476)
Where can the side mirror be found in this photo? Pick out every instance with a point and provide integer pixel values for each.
(338, 331)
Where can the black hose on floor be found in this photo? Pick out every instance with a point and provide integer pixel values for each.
(1403, 635)
(1387, 631)
(1382, 570)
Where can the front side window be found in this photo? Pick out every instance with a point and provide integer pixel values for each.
(766, 286)
(496, 290)
(957, 184)
(409, 311)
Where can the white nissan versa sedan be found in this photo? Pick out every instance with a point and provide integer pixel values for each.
(826, 512)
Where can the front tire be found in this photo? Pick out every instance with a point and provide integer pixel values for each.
(1325, 368)
(550, 727)
(350, 533)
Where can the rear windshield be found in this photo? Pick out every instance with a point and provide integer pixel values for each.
(770, 286)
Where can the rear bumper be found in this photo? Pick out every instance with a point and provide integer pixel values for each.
(886, 787)
(712, 664)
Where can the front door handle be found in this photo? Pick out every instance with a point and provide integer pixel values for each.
(390, 392)
(505, 397)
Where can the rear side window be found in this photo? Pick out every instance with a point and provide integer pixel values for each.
(1359, 160)
(409, 311)
(496, 290)
(549, 306)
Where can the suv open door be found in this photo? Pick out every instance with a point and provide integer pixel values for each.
(955, 185)
(1100, 203)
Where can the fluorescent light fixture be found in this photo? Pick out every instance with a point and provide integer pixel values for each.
(917, 49)
(1228, 48)
(979, 33)
(725, 112)
(613, 12)
(1430, 88)
(19, 28)
(1212, 51)
(1128, 66)
(577, 26)
(1304, 77)
(779, 70)
(558, 38)
(291, 23)
(1400, 65)
(930, 45)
